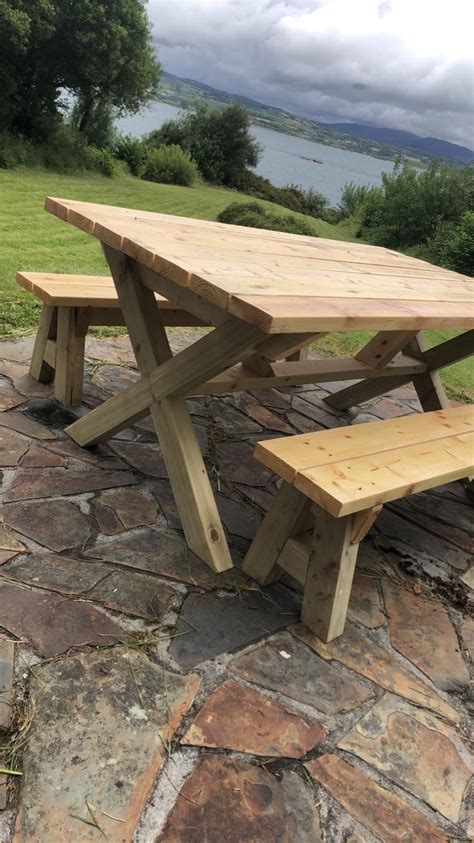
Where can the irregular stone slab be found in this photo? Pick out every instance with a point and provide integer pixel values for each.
(113, 379)
(164, 553)
(239, 718)
(12, 448)
(230, 421)
(51, 624)
(8, 540)
(319, 412)
(58, 524)
(102, 723)
(7, 657)
(6, 555)
(237, 802)
(416, 543)
(287, 665)
(416, 750)
(139, 594)
(164, 495)
(364, 604)
(467, 632)
(99, 455)
(22, 380)
(442, 516)
(9, 397)
(110, 350)
(132, 507)
(239, 518)
(303, 424)
(421, 631)
(374, 806)
(41, 458)
(259, 496)
(216, 624)
(29, 483)
(107, 520)
(468, 578)
(145, 457)
(237, 465)
(360, 653)
(269, 397)
(264, 416)
(22, 424)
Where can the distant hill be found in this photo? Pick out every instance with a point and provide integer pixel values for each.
(431, 146)
(182, 92)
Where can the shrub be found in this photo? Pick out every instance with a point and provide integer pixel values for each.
(65, 151)
(291, 196)
(133, 151)
(219, 141)
(100, 160)
(452, 245)
(407, 210)
(353, 198)
(253, 215)
(170, 165)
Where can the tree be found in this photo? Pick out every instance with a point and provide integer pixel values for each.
(219, 141)
(100, 51)
(105, 56)
(28, 90)
(453, 244)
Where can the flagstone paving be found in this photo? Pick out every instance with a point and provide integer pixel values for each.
(145, 698)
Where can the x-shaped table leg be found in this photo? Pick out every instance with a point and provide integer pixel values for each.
(161, 391)
(428, 385)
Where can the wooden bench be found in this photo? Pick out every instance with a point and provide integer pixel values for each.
(345, 475)
(71, 304)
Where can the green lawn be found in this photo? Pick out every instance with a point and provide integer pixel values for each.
(32, 239)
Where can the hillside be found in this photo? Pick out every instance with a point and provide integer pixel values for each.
(182, 93)
(431, 146)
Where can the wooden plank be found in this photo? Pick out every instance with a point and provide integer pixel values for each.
(286, 516)
(345, 487)
(41, 369)
(362, 523)
(289, 455)
(457, 348)
(329, 577)
(179, 446)
(287, 314)
(382, 348)
(50, 354)
(69, 373)
(217, 350)
(294, 557)
(428, 386)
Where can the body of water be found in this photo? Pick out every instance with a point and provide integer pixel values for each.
(285, 159)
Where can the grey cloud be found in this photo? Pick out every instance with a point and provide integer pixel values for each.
(263, 49)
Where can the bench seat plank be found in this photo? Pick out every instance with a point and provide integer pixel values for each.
(290, 455)
(349, 486)
(77, 290)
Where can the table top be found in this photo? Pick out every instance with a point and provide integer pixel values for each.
(283, 283)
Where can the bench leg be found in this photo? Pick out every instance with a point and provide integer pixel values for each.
(39, 369)
(329, 577)
(286, 517)
(70, 345)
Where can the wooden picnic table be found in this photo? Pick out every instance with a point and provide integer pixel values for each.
(268, 295)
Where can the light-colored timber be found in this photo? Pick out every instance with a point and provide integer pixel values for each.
(349, 474)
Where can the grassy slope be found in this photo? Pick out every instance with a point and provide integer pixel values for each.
(32, 239)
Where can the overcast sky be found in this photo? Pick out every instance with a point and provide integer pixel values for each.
(406, 64)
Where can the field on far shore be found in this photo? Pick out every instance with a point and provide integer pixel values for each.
(31, 239)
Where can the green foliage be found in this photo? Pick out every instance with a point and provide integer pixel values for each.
(170, 165)
(219, 141)
(253, 215)
(133, 151)
(409, 206)
(304, 201)
(453, 244)
(353, 197)
(100, 51)
(64, 151)
(99, 128)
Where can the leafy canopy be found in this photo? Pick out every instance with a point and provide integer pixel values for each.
(218, 141)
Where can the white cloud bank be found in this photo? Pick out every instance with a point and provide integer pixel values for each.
(406, 64)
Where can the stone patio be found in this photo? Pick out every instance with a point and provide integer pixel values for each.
(144, 698)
